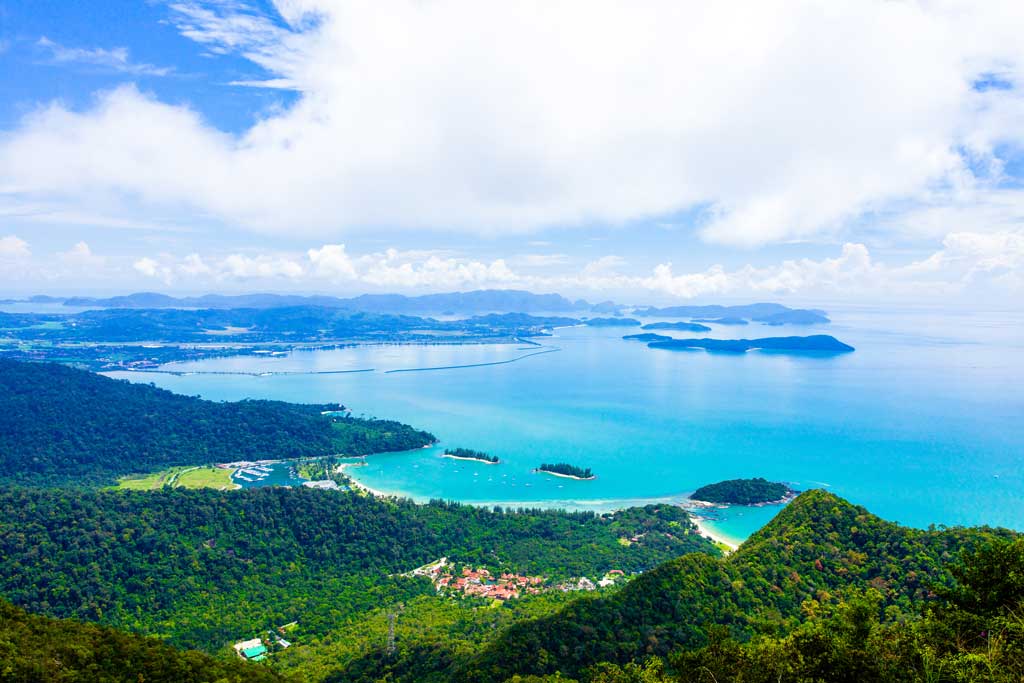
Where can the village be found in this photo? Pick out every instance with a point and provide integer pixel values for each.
(480, 582)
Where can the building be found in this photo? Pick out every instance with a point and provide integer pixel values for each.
(253, 650)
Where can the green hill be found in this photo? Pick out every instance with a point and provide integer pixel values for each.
(204, 567)
(814, 554)
(59, 425)
(35, 648)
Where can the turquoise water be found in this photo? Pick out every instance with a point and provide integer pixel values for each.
(922, 424)
(280, 474)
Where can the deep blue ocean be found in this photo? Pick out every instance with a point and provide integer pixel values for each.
(922, 424)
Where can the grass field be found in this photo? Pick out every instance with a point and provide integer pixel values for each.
(186, 477)
(205, 477)
(148, 482)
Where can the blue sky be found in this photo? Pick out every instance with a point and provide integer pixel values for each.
(808, 152)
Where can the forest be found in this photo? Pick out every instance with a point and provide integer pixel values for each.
(200, 567)
(471, 454)
(63, 426)
(36, 648)
(825, 592)
(743, 492)
(566, 469)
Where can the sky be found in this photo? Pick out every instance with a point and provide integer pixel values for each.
(645, 152)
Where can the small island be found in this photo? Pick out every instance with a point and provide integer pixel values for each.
(817, 342)
(797, 317)
(566, 470)
(685, 327)
(757, 491)
(648, 337)
(470, 454)
(727, 320)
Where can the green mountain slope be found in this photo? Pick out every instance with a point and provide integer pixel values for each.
(815, 551)
(203, 567)
(35, 648)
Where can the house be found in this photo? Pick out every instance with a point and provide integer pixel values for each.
(253, 650)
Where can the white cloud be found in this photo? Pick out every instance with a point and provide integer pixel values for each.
(151, 268)
(241, 267)
(81, 256)
(13, 247)
(968, 262)
(117, 59)
(790, 124)
(330, 261)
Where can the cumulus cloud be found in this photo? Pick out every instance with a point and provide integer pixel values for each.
(81, 257)
(454, 114)
(13, 247)
(967, 260)
(117, 59)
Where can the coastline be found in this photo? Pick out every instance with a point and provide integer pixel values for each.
(360, 485)
(785, 500)
(458, 457)
(707, 532)
(565, 476)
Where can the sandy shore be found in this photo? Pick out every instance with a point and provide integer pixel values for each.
(564, 476)
(717, 538)
(358, 484)
(456, 457)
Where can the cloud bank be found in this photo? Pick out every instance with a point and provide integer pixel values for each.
(778, 120)
(968, 265)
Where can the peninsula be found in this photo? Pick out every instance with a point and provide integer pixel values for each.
(470, 454)
(566, 470)
(817, 342)
(756, 491)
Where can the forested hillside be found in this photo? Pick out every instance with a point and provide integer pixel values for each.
(202, 567)
(59, 425)
(35, 648)
(815, 552)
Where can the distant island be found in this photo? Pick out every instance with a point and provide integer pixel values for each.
(611, 322)
(757, 491)
(798, 317)
(470, 454)
(816, 342)
(686, 327)
(566, 470)
(648, 337)
(727, 320)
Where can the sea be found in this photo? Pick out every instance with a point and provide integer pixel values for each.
(923, 424)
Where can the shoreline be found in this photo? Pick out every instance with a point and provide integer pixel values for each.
(716, 537)
(480, 460)
(785, 500)
(564, 476)
(360, 485)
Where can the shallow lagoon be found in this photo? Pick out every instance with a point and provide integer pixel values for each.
(922, 424)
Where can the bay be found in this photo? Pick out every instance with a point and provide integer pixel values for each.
(922, 424)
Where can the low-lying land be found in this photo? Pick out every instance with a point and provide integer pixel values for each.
(185, 477)
(821, 343)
